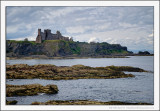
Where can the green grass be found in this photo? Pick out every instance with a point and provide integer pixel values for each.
(76, 50)
(45, 41)
(22, 42)
(111, 51)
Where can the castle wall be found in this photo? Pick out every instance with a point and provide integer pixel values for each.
(43, 36)
(38, 39)
(47, 35)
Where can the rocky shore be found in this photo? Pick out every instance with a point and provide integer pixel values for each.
(64, 57)
(52, 72)
(11, 102)
(29, 90)
(85, 102)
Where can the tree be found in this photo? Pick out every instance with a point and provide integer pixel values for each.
(26, 39)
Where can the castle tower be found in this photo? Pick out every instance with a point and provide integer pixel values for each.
(59, 36)
(39, 37)
(39, 31)
(45, 34)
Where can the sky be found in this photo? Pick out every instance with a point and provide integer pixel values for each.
(129, 26)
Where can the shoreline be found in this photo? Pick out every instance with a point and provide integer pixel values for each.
(79, 102)
(72, 57)
(86, 102)
(15, 58)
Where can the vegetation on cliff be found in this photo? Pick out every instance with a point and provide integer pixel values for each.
(85, 102)
(24, 71)
(55, 48)
(30, 89)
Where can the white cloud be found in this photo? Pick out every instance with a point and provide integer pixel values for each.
(94, 39)
(103, 26)
(81, 19)
(85, 28)
(30, 38)
(77, 29)
(150, 35)
(133, 38)
(126, 25)
(66, 10)
(150, 38)
(61, 12)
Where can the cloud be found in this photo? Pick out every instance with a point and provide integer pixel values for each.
(81, 19)
(94, 39)
(30, 38)
(86, 28)
(12, 29)
(133, 38)
(150, 35)
(128, 26)
(77, 29)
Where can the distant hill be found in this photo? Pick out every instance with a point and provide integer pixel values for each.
(142, 50)
(58, 48)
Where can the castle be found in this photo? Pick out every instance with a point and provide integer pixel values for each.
(47, 35)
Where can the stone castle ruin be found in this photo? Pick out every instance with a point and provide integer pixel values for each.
(47, 35)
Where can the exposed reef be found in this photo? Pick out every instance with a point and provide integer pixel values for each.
(29, 90)
(85, 102)
(11, 102)
(47, 71)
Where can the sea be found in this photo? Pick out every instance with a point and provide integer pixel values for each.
(133, 90)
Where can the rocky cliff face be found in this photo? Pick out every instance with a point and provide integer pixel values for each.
(56, 48)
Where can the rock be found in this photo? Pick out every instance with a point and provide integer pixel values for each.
(85, 102)
(52, 72)
(11, 102)
(51, 89)
(29, 90)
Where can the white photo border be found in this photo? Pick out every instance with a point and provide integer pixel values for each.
(80, 3)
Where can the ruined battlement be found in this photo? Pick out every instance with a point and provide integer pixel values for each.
(47, 35)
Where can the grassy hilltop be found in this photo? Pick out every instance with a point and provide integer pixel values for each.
(59, 48)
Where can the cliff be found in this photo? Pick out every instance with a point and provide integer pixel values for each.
(59, 48)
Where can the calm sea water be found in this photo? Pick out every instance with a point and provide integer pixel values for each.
(145, 62)
(138, 89)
